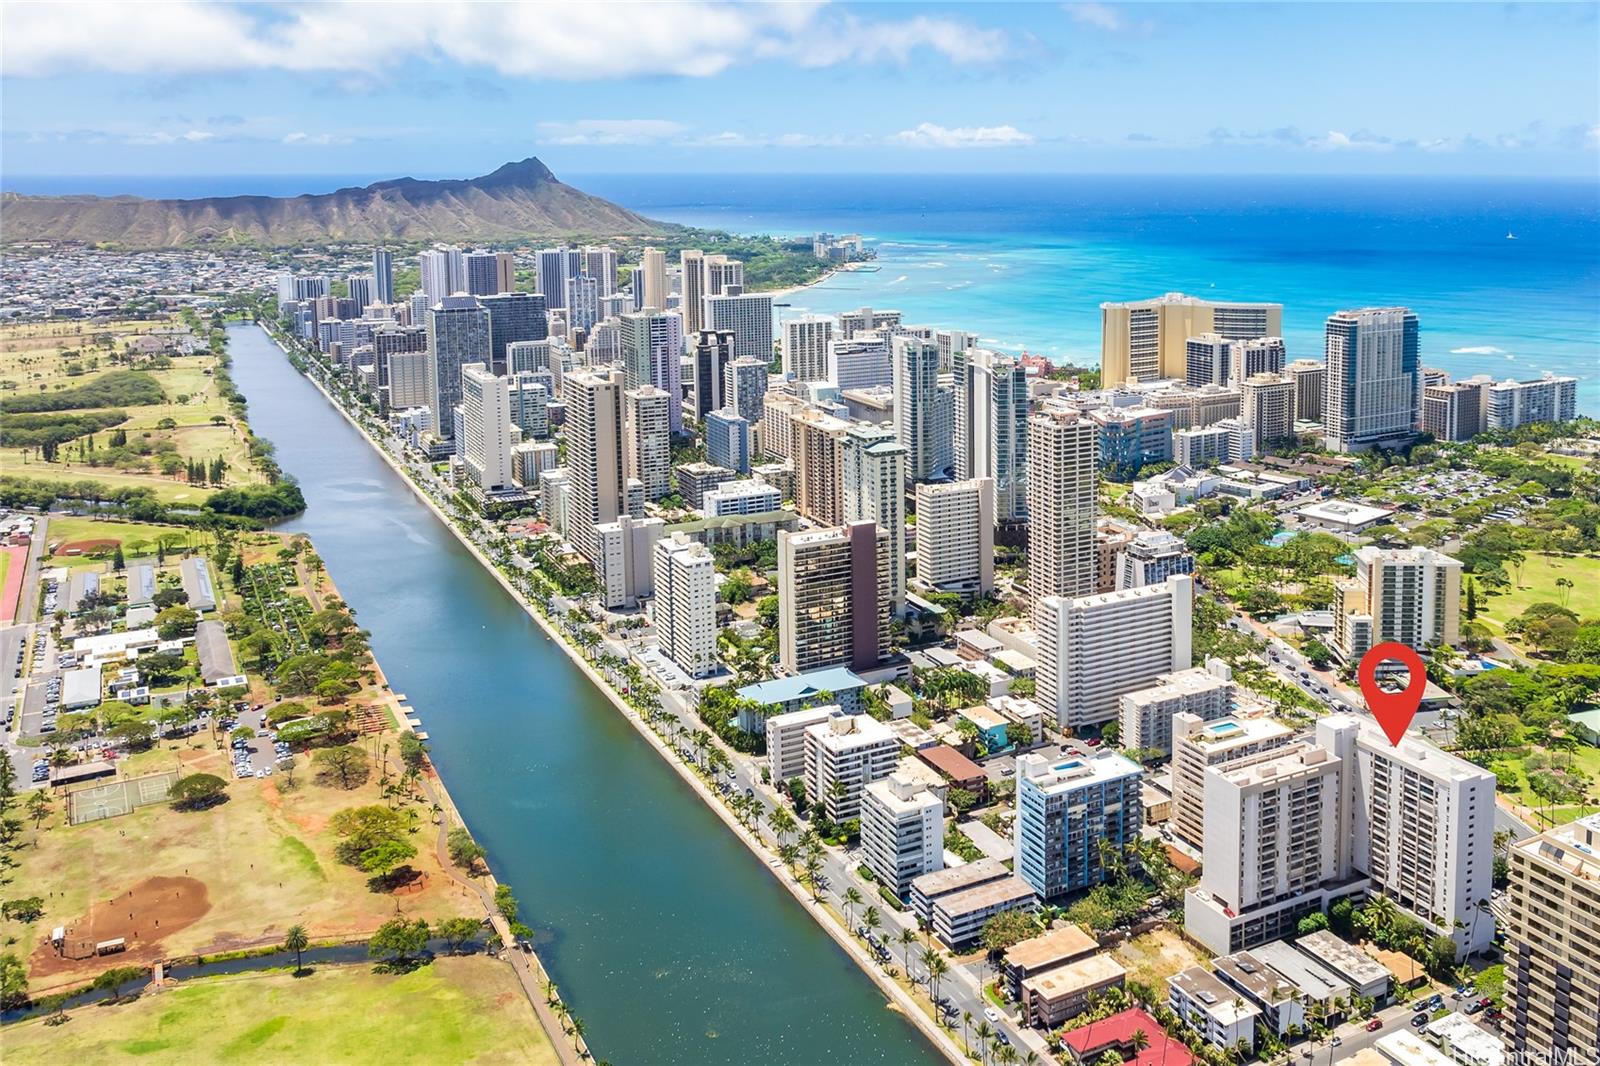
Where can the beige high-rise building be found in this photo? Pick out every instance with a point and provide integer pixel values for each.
(648, 440)
(955, 537)
(1148, 339)
(1456, 412)
(1310, 377)
(1267, 407)
(818, 458)
(653, 277)
(1409, 595)
(833, 598)
(1199, 744)
(596, 478)
(1553, 961)
(1063, 478)
(692, 265)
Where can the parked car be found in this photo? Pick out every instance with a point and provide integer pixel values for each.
(1374, 1025)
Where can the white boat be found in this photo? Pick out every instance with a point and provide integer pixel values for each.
(1510, 236)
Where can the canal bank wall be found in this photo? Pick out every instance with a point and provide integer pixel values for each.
(897, 996)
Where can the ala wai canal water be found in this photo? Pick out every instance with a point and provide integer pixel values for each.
(665, 935)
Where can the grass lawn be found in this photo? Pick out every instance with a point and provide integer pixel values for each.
(467, 1009)
(71, 530)
(1584, 758)
(266, 859)
(1574, 463)
(1538, 585)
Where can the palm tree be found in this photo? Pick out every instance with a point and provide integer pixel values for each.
(1006, 1055)
(966, 1020)
(936, 971)
(985, 1034)
(907, 938)
(295, 940)
(872, 920)
(852, 898)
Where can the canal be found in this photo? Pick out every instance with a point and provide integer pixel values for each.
(664, 933)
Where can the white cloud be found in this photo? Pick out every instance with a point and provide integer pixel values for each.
(1335, 141)
(610, 131)
(562, 39)
(167, 137)
(1100, 16)
(932, 135)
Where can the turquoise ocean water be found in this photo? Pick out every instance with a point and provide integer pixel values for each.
(1025, 261)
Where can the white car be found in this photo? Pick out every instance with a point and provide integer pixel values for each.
(992, 1014)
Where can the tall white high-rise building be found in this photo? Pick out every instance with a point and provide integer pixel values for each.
(583, 302)
(1373, 392)
(902, 831)
(600, 263)
(1093, 649)
(685, 613)
(991, 427)
(723, 275)
(594, 455)
(650, 280)
(1423, 830)
(916, 386)
(805, 347)
(652, 354)
(749, 315)
(853, 750)
(1547, 399)
(955, 537)
(486, 421)
(874, 491)
(441, 272)
(865, 320)
(1257, 355)
(1063, 479)
(949, 342)
(648, 440)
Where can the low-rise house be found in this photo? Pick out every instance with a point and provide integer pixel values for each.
(1052, 998)
(1036, 955)
(1212, 1009)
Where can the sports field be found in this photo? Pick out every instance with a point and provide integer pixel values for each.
(1537, 584)
(455, 1010)
(13, 563)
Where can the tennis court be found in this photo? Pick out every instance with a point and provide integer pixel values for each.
(116, 798)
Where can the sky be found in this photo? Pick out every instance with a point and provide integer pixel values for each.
(384, 89)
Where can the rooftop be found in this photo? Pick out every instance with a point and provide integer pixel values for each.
(802, 686)
(1074, 772)
(1077, 976)
(1088, 1041)
(1343, 957)
(1314, 979)
(1214, 997)
(950, 762)
(1009, 889)
(1256, 977)
(957, 878)
(1058, 945)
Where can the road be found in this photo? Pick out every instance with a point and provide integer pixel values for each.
(28, 607)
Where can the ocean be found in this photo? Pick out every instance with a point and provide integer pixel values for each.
(1025, 261)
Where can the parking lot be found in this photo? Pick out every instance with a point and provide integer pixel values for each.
(261, 754)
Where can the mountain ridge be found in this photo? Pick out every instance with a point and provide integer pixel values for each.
(518, 199)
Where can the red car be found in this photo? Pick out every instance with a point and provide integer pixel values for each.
(1374, 1025)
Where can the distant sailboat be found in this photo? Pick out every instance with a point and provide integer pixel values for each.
(1510, 236)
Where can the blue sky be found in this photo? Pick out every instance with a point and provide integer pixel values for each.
(398, 88)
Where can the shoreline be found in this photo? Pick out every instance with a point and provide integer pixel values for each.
(897, 996)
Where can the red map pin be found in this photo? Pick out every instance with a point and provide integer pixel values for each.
(1393, 710)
